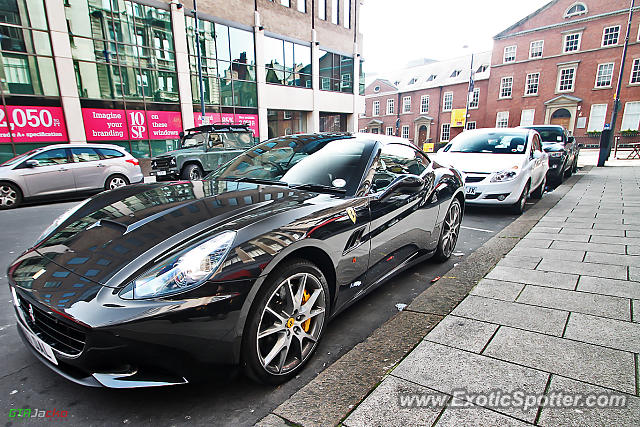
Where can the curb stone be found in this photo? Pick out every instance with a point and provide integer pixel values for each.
(335, 392)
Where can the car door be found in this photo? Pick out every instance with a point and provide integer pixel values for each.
(89, 170)
(52, 175)
(401, 224)
(539, 157)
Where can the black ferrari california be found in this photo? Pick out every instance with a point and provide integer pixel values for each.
(154, 284)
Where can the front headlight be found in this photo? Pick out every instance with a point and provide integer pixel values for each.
(503, 176)
(556, 154)
(185, 270)
(62, 218)
(173, 161)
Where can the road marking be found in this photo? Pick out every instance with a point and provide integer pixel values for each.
(477, 229)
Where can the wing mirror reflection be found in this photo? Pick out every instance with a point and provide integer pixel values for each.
(32, 163)
(404, 184)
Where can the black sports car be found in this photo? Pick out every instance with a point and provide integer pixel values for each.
(148, 284)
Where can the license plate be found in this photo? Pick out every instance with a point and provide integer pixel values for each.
(471, 190)
(160, 173)
(41, 347)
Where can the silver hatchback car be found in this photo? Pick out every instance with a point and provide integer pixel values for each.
(57, 170)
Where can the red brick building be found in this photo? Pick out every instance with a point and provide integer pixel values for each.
(559, 65)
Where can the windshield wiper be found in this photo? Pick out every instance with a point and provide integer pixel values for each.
(317, 188)
(254, 180)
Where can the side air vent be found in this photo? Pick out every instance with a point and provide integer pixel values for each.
(354, 240)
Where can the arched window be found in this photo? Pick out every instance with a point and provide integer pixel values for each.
(576, 9)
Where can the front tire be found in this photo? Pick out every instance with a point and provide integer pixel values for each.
(518, 208)
(285, 323)
(192, 173)
(450, 232)
(10, 196)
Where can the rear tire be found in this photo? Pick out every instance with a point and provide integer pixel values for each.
(277, 340)
(116, 181)
(520, 205)
(538, 192)
(450, 232)
(192, 173)
(10, 196)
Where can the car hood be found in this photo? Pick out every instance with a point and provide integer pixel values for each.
(551, 146)
(481, 162)
(139, 223)
(182, 151)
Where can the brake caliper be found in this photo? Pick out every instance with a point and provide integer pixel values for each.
(305, 297)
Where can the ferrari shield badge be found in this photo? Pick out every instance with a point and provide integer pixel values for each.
(352, 214)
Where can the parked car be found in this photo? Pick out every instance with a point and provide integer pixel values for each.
(500, 166)
(57, 171)
(156, 284)
(201, 150)
(563, 151)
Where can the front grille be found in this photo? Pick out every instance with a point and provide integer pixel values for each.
(60, 335)
(474, 179)
(162, 163)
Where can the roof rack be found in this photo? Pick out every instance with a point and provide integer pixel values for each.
(222, 127)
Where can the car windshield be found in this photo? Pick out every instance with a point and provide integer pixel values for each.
(19, 158)
(333, 162)
(489, 142)
(193, 139)
(551, 135)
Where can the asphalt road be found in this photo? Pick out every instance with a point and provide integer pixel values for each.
(26, 383)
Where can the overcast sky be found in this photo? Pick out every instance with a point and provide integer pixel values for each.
(398, 31)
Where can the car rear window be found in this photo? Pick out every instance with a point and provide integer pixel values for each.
(109, 153)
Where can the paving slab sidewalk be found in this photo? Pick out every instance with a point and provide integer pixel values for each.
(566, 324)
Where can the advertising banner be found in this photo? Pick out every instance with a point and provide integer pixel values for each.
(113, 125)
(215, 118)
(458, 117)
(32, 124)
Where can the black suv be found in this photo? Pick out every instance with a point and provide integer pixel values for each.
(202, 150)
(563, 152)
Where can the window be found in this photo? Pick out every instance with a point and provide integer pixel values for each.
(474, 102)
(80, 155)
(509, 54)
(391, 106)
(286, 3)
(376, 108)
(286, 115)
(424, 103)
(635, 72)
(346, 19)
(631, 118)
(398, 159)
(502, 119)
(109, 153)
(572, 42)
(302, 6)
(406, 104)
(566, 79)
(405, 132)
(336, 72)
(610, 35)
(322, 9)
(53, 157)
(482, 69)
(576, 9)
(335, 12)
(287, 63)
(533, 81)
(597, 117)
(455, 73)
(471, 125)
(527, 117)
(432, 77)
(445, 132)
(535, 49)
(376, 89)
(390, 130)
(413, 80)
(506, 87)
(375, 130)
(604, 75)
(447, 103)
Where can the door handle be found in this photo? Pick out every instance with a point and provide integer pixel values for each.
(63, 169)
(100, 165)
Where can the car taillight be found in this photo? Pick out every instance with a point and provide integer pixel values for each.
(134, 162)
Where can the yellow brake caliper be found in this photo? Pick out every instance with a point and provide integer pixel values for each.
(305, 297)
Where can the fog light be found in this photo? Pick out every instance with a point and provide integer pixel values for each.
(502, 197)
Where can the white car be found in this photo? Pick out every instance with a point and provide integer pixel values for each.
(501, 167)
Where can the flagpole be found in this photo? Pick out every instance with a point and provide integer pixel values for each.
(469, 90)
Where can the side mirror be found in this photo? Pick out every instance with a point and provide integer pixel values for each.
(404, 184)
(580, 145)
(32, 163)
(570, 140)
(181, 134)
(537, 154)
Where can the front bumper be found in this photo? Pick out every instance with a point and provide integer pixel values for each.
(165, 173)
(175, 346)
(490, 193)
(556, 167)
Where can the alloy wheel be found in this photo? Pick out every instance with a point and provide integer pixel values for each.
(117, 182)
(451, 229)
(291, 323)
(8, 196)
(194, 174)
